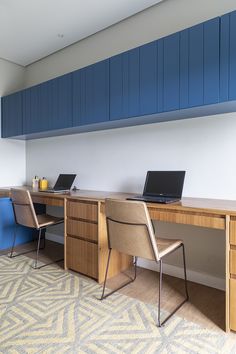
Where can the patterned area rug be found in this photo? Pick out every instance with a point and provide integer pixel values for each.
(52, 311)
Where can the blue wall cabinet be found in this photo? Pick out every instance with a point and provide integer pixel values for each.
(124, 85)
(56, 102)
(148, 78)
(192, 68)
(91, 94)
(204, 63)
(48, 106)
(171, 72)
(11, 112)
(228, 57)
(32, 122)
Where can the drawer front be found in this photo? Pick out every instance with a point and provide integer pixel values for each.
(233, 262)
(82, 210)
(232, 304)
(82, 256)
(233, 232)
(48, 201)
(82, 229)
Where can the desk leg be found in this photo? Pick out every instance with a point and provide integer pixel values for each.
(65, 233)
(227, 274)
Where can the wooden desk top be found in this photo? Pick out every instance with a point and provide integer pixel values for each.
(203, 205)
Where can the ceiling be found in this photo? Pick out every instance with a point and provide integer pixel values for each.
(33, 29)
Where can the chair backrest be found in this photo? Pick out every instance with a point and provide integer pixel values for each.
(24, 208)
(129, 228)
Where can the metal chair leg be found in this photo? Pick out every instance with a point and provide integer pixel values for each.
(159, 295)
(13, 244)
(105, 280)
(11, 253)
(37, 252)
(159, 323)
(39, 248)
(120, 287)
(185, 274)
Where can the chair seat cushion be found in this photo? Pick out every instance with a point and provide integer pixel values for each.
(47, 220)
(167, 245)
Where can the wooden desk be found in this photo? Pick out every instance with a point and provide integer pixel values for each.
(86, 239)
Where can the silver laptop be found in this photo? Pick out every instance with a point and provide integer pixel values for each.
(63, 184)
(162, 187)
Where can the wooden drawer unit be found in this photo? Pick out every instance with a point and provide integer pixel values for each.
(233, 232)
(233, 261)
(82, 256)
(232, 301)
(82, 210)
(82, 229)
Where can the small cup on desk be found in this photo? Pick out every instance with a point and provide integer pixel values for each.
(43, 184)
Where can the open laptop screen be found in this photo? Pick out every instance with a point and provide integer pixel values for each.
(164, 183)
(64, 182)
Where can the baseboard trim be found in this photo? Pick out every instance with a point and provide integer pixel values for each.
(196, 277)
(55, 238)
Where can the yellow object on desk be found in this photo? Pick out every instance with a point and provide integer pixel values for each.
(43, 184)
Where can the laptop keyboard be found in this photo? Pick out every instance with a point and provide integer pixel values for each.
(162, 200)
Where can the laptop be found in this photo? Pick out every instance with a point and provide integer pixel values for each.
(162, 187)
(63, 184)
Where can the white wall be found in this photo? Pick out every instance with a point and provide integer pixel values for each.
(118, 159)
(12, 152)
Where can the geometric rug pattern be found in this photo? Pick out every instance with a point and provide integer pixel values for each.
(51, 311)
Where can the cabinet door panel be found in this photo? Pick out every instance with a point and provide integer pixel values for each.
(232, 56)
(117, 81)
(31, 110)
(148, 78)
(97, 93)
(224, 58)
(48, 106)
(124, 85)
(78, 78)
(211, 61)
(160, 75)
(11, 106)
(133, 82)
(91, 94)
(204, 62)
(171, 72)
(184, 68)
(196, 65)
(56, 103)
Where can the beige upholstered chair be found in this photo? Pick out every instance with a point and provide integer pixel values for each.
(25, 215)
(131, 232)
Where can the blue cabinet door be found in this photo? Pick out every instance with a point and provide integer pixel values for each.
(204, 63)
(11, 112)
(91, 94)
(148, 78)
(228, 57)
(48, 106)
(124, 85)
(184, 69)
(56, 103)
(171, 72)
(32, 120)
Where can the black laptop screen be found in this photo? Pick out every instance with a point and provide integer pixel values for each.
(164, 183)
(64, 182)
